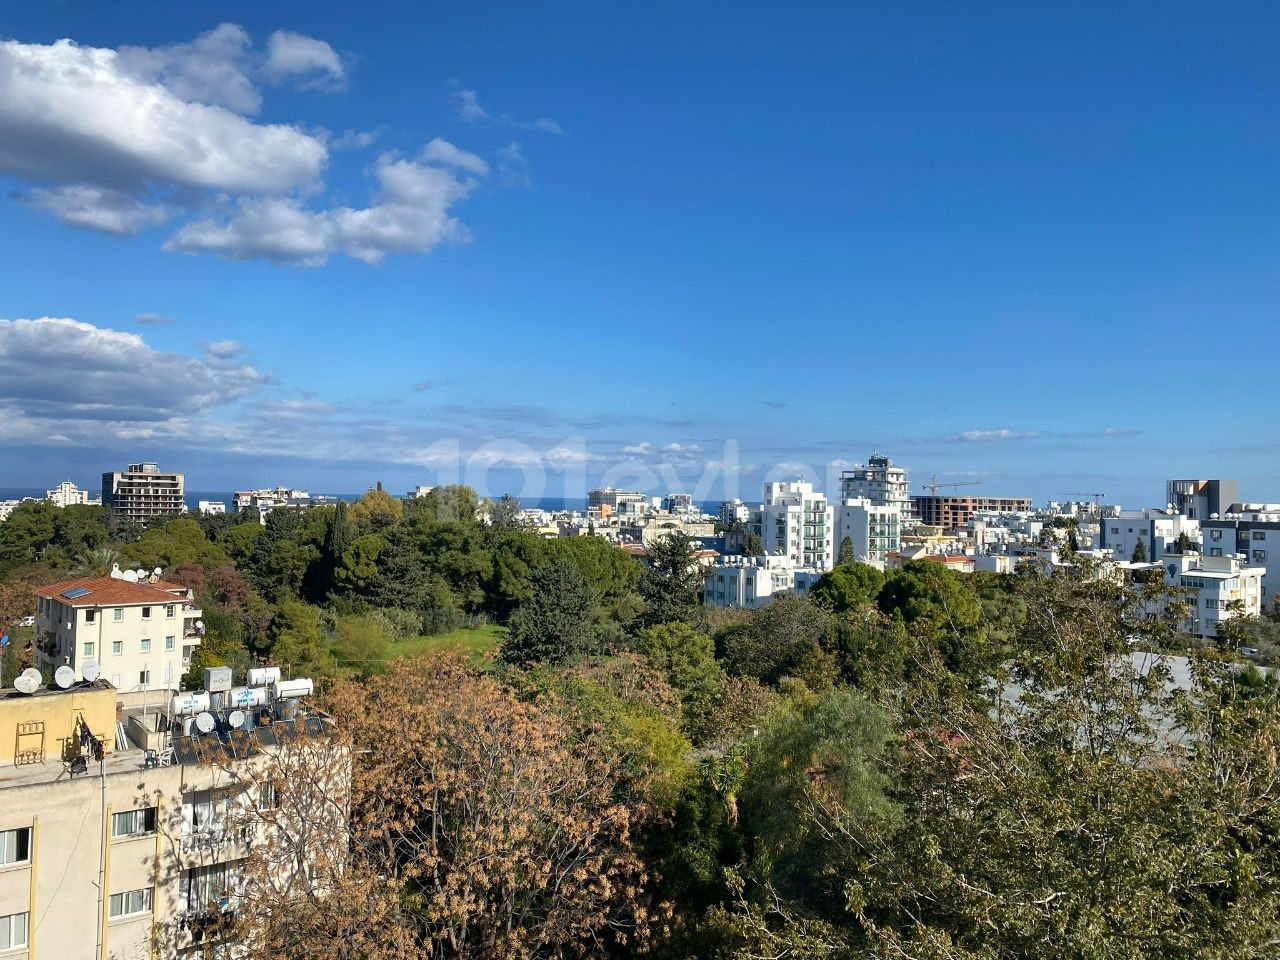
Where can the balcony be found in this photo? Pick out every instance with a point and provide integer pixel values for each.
(214, 839)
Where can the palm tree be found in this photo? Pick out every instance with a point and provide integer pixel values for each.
(96, 562)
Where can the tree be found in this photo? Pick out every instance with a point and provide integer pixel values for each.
(939, 607)
(846, 555)
(297, 638)
(848, 588)
(555, 625)
(339, 536)
(1140, 552)
(504, 514)
(687, 659)
(1184, 542)
(97, 562)
(361, 644)
(376, 510)
(180, 541)
(671, 585)
(787, 637)
(753, 546)
(479, 826)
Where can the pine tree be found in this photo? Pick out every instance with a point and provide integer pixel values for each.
(846, 552)
(1140, 552)
(555, 625)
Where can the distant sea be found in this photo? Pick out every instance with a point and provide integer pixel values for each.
(194, 497)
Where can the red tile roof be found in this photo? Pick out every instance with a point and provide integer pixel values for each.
(109, 592)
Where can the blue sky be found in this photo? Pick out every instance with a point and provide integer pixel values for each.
(537, 246)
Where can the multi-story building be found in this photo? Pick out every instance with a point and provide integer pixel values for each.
(143, 492)
(874, 529)
(212, 508)
(747, 582)
(1158, 531)
(141, 631)
(1251, 530)
(796, 521)
(678, 503)
(1218, 588)
(611, 500)
(119, 838)
(954, 513)
(67, 494)
(879, 481)
(1200, 499)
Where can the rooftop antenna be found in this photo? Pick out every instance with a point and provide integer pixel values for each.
(91, 670)
(28, 681)
(64, 677)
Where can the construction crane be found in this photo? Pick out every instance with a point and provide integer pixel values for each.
(933, 485)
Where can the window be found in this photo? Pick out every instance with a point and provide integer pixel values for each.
(144, 677)
(270, 797)
(130, 904)
(117, 615)
(90, 616)
(168, 612)
(1210, 603)
(1259, 534)
(1215, 551)
(211, 887)
(1215, 534)
(117, 647)
(146, 646)
(169, 642)
(134, 823)
(1115, 530)
(146, 613)
(13, 931)
(88, 649)
(15, 846)
(1259, 554)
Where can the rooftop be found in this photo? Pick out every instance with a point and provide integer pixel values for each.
(111, 591)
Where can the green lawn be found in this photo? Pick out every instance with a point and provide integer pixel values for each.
(477, 642)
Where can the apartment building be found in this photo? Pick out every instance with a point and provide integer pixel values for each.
(1218, 589)
(879, 481)
(123, 837)
(141, 631)
(67, 494)
(796, 521)
(1251, 530)
(749, 582)
(678, 503)
(1157, 530)
(955, 513)
(607, 501)
(1200, 499)
(874, 529)
(143, 492)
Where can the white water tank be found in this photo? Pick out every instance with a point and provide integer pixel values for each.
(301, 687)
(189, 704)
(263, 676)
(242, 697)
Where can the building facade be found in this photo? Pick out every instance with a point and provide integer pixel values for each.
(796, 521)
(1218, 589)
(67, 494)
(1158, 531)
(1253, 533)
(1200, 499)
(879, 481)
(141, 634)
(955, 513)
(873, 529)
(749, 582)
(143, 492)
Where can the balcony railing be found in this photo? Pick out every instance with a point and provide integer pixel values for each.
(214, 838)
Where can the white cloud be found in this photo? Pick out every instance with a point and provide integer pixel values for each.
(215, 68)
(355, 139)
(982, 436)
(682, 448)
(79, 115)
(513, 168)
(225, 349)
(65, 372)
(305, 60)
(98, 208)
(409, 214)
(639, 449)
(152, 319)
(444, 152)
(467, 106)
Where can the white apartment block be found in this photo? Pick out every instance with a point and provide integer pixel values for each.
(748, 582)
(1214, 585)
(1251, 530)
(1157, 530)
(142, 492)
(67, 494)
(211, 508)
(141, 634)
(120, 839)
(879, 481)
(797, 522)
(875, 530)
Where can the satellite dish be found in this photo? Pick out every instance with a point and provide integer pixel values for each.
(205, 722)
(236, 719)
(26, 683)
(158, 571)
(199, 624)
(64, 676)
(91, 670)
(129, 576)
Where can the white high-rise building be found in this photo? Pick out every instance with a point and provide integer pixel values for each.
(67, 494)
(879, 481)
(796, 521)
(875, 529)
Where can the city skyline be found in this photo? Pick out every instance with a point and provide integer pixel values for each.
(348, 248)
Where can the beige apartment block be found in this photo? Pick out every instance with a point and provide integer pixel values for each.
(141, 633)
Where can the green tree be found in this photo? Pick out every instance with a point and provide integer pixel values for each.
(504, 514)
(297, 639)
(787, 637)
(361, 644)
(555, 625)
(175, 542)
(376, 510)
(846, 555)
(671, 585)
(848, 587)
(938, 606)
(686, 658)
(1139, 552)
(753, 546)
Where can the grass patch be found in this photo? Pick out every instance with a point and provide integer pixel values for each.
(478, 643)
